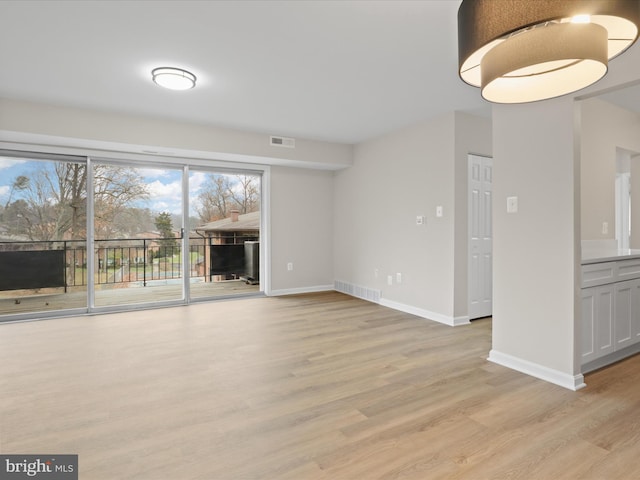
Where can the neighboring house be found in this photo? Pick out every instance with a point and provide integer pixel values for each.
(237, 228)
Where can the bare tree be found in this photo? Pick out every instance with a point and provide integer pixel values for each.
(246, 193)
(215, 200)
(115, 188)
(223, 193)
(53, 204)
(71, 198)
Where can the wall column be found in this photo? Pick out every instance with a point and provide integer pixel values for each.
(537, 248)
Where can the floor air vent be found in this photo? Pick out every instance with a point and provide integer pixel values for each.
(364, 293)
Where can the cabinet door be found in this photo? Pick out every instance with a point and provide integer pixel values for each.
(588, 327)
(624, 310)
(597, 322)
(635, 313)
(604, 316)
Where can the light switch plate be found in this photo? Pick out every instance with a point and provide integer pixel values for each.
(512, 204)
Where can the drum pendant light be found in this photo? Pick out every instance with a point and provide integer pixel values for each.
(520, 51)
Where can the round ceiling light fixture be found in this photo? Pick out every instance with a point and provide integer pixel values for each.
(520, 51)
(173, 78)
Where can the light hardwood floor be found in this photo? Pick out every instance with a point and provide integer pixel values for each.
(319, 386)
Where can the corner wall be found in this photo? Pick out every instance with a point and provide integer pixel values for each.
(394, 179)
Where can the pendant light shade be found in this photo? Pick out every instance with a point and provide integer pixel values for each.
(527, 50)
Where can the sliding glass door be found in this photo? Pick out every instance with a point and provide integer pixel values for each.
(43, 213)
(159, 234)
(224, 239)
(137, 234)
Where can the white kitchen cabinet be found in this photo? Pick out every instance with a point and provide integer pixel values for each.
(635, 317)
(625, 311)
(597, 322)
(610, 309)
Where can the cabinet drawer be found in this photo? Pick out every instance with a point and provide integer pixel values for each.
(598, 274)
(629, 269)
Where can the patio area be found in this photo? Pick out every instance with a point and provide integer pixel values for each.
(19, 302)
(50, 276)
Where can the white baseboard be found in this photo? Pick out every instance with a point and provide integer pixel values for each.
(572, 382)
(420, 312)
(294, 291)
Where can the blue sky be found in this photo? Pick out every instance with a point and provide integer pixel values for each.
(164, 185)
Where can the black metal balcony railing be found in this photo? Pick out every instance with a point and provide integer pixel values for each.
(116, 261)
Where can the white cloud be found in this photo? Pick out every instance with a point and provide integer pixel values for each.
(196, 180)
(9, 162)
(153, 173)
(165, 197)
(172, 190)
(4, 191)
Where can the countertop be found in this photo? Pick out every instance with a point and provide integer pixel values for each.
(598, 255)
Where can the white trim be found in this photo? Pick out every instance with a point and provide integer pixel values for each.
(420, 312)
(295, 291)
(265, 230)
(184, 241)
(572, 382)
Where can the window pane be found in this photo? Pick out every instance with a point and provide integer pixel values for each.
(137, 224)
(224, 239)
(42, 235)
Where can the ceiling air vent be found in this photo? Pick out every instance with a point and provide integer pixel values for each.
(282, 142)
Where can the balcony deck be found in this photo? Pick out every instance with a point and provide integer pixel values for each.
(19, 302)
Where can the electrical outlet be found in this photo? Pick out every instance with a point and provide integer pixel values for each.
(290, 266)
(376, 273)
(398, 278)
(389, 279)
(605, 228)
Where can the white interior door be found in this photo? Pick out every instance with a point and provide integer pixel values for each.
(480, 237)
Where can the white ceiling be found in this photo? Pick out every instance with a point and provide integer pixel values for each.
(341, 71)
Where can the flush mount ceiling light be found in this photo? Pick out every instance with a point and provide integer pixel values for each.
(520, 51)
(173, 78)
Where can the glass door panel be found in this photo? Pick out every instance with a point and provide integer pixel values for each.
(137, 231)
(224, 233)
(43, 207)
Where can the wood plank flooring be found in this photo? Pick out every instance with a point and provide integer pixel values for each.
(319, 386)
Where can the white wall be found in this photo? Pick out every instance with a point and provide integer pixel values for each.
(605, 128)
(127, 133)
(536, 250)
(395, 178)
(301, 230)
